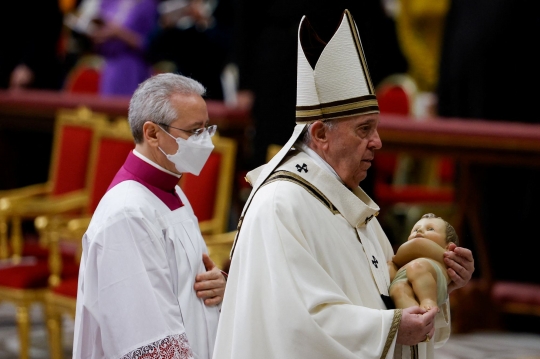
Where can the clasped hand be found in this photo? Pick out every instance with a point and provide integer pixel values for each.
(210, 285)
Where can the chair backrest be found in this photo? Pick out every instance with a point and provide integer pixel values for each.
(210, 192)
(71, 148)
(85, 76)
(112, 143)
(219, 248)
(396, 94)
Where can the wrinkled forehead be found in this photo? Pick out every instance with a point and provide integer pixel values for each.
(372, 118)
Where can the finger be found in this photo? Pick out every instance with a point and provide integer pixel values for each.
(213, 301)
(208, 264)
(416, 310)
(429, 316)
(458, 272)
(211, 293)
(214, 273)
(461, 255)
(454, 277)
(209, 284)
(465, 253)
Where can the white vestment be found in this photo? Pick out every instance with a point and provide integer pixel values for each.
(136, 296)
(307, 274)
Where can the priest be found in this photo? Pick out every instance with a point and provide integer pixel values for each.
(147, 288)
(308, 276)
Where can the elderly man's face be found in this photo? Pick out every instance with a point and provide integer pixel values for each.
(192, 115)
(351, 147)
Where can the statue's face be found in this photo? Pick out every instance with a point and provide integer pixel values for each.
(433, 229)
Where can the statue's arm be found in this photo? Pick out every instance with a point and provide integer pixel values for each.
(416, 248)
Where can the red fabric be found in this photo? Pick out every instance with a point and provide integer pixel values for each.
(201, 190)
(67, 288)
(393, 99)
(111, 156)
(34, 249)
(447, 169)
(73, 157)
(84, 80)
(388, 194)
(25, 277)
(525, 293)
(33, 276)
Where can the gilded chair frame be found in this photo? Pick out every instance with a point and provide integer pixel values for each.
(226, 147)
(32, 201)
(219, 247)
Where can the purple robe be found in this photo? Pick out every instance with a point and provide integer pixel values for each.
(125, 67)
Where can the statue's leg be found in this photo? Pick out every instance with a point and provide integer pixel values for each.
(423, 279)
(402, 294)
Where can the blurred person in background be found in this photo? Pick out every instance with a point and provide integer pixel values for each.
(29, 57)
(195, 35)
(489, 71)
(120, 34)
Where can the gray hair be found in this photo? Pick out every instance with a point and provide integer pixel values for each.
(151, 100)
(306, 136)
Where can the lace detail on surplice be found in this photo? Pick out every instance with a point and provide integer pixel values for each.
(171, 347)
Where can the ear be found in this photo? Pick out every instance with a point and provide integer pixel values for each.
(319, 132)
(150, 133)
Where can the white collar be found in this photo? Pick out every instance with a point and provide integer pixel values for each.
(152, 163)
(318, 159)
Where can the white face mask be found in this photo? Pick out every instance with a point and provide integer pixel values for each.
(192, 153)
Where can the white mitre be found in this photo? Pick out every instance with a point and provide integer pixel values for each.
(332, 82)
(333, 78)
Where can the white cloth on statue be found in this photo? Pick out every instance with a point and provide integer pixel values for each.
(306, 277)
(136, 280)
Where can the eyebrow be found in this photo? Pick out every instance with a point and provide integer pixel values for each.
(199, 124)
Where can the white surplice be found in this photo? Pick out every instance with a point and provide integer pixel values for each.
(307, 274)
(136, 280)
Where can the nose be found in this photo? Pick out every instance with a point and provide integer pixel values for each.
(375, 141)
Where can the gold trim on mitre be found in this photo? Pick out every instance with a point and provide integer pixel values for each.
(337, 83)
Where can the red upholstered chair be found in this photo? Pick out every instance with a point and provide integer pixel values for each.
(61, 298)
(396, 95)
(210, 192)
(85, 75)
(23, 279)
(64, 191)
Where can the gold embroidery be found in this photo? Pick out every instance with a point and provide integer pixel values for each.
(294, 178)
(358, 43)
(393, 330)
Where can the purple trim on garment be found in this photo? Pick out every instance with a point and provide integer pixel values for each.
(158, 182)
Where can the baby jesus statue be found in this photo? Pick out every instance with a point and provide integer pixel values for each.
(417, 271)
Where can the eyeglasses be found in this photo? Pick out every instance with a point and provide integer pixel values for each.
(211, 130)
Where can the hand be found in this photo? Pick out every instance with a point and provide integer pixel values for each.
(21, 77)
(105, 32)
(415, 324)
(210, 285)
(460, 265)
